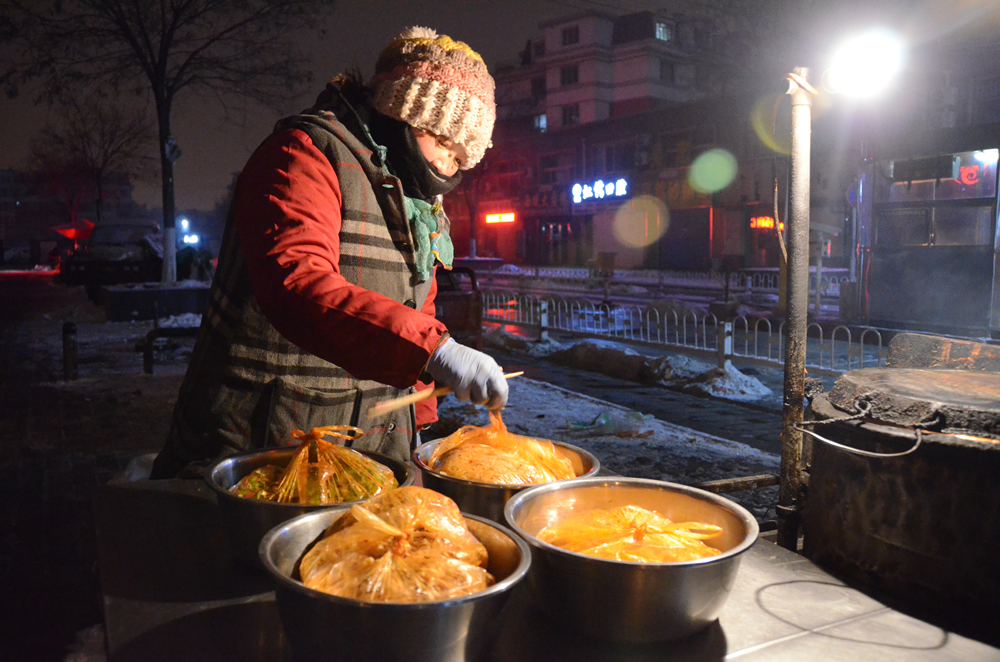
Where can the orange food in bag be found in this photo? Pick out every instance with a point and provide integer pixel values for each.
(408, 545)
(320, 472)
(631, 533)
(491, 454)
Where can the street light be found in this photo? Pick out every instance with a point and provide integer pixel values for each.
(863, 66)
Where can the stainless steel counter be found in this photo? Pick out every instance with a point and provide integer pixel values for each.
(172, 592)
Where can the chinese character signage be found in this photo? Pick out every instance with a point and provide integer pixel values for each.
(599, 190)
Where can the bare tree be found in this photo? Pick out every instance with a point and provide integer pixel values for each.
(66, 177)
(101, 137)
(233, 49)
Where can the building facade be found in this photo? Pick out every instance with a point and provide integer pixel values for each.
(603, 123)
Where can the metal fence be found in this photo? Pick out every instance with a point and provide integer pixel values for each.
(759, 341)
(747, 280)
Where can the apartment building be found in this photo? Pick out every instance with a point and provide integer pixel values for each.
(599, 122)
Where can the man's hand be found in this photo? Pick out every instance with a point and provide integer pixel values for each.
(471, 374)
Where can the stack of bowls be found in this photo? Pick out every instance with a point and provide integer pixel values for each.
(488, 499)
(624, 601)
(320, 626)
(247, 520)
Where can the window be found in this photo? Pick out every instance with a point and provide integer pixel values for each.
(667, 73)
(539, 48)
(569, 75)
(548, 165)
(570, 115)
(538, 87)
(571, 35)
(663, 31)
(541, 123)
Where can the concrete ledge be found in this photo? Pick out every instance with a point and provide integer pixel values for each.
(146, 301)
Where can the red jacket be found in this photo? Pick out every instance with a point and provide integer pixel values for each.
(289, 226)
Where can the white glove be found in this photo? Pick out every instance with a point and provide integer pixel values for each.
(471, 374)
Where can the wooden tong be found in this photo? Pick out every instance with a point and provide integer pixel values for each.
(412, 398)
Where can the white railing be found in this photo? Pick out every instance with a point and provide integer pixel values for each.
(829, 352)
(762, 281)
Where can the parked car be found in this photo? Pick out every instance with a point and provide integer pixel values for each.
(115, 254)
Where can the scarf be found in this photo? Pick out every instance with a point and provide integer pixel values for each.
(430, 233)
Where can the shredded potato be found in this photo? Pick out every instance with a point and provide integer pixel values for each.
(491, 454)
(631, 533)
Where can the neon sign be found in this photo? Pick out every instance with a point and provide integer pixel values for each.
(969, 174)
(599, 190)
(764, 223)
(500, 218)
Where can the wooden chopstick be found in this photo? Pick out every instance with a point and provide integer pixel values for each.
(407, 400)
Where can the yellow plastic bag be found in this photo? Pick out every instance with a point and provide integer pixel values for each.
(320, 472)
(631, 533)
(408, 545)
(491, 454)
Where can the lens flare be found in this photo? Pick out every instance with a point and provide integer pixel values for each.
(712, 171)
(764, 120)
(641, 221)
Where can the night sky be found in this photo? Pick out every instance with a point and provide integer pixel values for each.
(215, 147)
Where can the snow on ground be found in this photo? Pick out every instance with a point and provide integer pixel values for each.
(656, 449)
(729, 383)
(622, 361)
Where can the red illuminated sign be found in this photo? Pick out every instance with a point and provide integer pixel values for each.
(763, 223)
(500, 218)
(969, 174)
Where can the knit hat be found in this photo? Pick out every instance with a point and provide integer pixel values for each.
(439, 85)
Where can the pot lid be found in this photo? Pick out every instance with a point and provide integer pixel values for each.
(954, 401)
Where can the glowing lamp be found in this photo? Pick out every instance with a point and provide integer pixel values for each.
(864, 65)
(500, 218)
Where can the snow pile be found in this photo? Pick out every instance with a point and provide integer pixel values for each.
(502, 339)
(614, 361)
(728, 383)
(683, 368)
(187, 320)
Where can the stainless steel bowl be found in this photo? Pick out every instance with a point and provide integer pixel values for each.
(247, 520)
(631, 602)
(325, 627)
(488, 499)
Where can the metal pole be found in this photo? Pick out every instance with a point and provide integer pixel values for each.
(69, 351)
(790, 492)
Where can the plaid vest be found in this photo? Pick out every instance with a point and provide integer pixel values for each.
(247, 386)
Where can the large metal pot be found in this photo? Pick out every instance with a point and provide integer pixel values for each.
(488, 499)
(247, 520)
(622, 601)
(323, 627)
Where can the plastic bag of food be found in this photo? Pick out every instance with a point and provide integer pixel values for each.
(320, 472)
(407, 545)
(491, 454)
(631, 533)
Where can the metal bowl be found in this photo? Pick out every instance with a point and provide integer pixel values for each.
(324, 627)
(247, 520)
(623, 601)
(488, 499)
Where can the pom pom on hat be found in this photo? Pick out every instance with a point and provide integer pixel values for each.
(434, 83)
